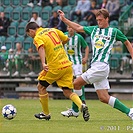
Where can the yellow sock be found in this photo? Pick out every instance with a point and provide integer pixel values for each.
(75, 98)
(44, 102)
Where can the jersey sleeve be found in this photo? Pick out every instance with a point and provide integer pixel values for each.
(120, 36)
(88, 29)
(83, 42)
(62, 36)
(38, 42)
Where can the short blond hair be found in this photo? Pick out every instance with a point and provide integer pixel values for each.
(103, 12)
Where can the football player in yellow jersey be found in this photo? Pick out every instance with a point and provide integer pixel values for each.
(56, 66)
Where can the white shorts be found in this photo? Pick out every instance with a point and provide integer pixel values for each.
(97, 75)
(77, 70)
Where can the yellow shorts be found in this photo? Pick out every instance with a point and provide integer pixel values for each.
(63, 77)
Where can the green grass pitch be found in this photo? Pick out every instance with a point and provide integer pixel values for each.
(103, 118)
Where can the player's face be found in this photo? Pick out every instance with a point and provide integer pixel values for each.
(70, 30)
(31, 33)
(102, 22)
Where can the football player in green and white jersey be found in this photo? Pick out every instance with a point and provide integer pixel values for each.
(103, 38)
(73, 49)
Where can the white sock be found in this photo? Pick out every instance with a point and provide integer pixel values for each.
(111, 101)
(78, 92)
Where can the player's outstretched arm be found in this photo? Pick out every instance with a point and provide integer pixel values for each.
(129, 47)
(74, 25)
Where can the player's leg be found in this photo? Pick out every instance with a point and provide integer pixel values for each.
(78, 83)
(44, 81)
(71, 95)
(66, 83)
(81, 96)
(112, 101)
(74, 111)
(43, 96)
(75, 98)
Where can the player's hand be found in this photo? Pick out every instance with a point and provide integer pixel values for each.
(45, 67)
(84, 61)
(61, 14)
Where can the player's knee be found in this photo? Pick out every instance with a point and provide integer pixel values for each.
(38, 86)
(67, 92)
(76, 86)
(41, 88)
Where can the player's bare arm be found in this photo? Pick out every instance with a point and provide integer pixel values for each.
(64, 42)
(84, 60)
(41, 53)
(129, 47)
(74, 25)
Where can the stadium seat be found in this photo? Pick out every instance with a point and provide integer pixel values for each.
(46, 13)
(26, 13)
(88, 39)
(37, 9)
(99, 2)
(83, 23)
(16, 14)
(1, 9)
(66, 10)
(8, 11)
(5, 3)
(122, 2)
(114, 23)
(56, 8)
(124, 9)
(28, 42)
(12, 29)
(21, 28)
(47, 8)
(72, 3)
(24, 3)
(19, 39)
(45, 24)
(2, 40)
(15, 3)
(9, 42)
(115, 61)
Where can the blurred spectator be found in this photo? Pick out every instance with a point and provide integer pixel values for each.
(55, 22)
(10, 61)
(3, 56)
(41, 3)
(103, 4)
(90, 14)
(19, 55)
(129, 2)
(36, 18)
(32, 61)
(4, 24)
(58, 2)
(31, 3)
(113, 6)
(61, 2)
(82, 7)
(126, 61)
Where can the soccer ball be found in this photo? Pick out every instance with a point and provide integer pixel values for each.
(9, 111)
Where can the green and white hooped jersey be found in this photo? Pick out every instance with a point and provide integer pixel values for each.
(102, 41)
(73, 48)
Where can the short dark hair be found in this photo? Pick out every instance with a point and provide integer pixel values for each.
(104, 12)
(31, 25)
